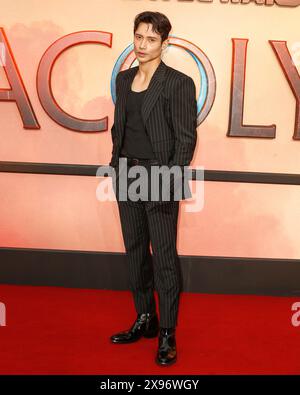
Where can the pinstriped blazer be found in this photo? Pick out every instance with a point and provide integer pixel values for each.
(169, 113)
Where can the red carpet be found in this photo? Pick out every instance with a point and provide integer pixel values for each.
(54, 330)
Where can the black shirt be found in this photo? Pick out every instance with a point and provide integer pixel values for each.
(136, 142)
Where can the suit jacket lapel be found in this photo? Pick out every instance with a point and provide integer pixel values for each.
(154, 90)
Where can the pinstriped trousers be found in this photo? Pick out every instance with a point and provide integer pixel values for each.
(141, 224)
(144, 222)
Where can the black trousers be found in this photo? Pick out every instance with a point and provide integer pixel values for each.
(142, 223)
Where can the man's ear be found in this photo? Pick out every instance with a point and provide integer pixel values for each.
(165, 43)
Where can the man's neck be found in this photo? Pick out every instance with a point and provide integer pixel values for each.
(146, 70)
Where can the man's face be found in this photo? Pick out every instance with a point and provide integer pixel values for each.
(147, 43)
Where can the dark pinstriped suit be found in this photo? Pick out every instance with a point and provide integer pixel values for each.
(169, 113)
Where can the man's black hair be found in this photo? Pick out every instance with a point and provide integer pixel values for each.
(160, 23)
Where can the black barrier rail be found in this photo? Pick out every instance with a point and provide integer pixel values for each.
(200, 274)
(209, 175)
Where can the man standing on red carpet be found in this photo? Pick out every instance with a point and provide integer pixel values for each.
(155, 124)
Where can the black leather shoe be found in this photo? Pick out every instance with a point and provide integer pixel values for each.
(167, 353)
(145, 325)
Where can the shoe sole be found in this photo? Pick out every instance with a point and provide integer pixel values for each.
(146, 335)
(124, 341)
(165, 363)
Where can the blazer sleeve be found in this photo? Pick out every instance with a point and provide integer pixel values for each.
(113, 135)
(117, 95)
(183, 108)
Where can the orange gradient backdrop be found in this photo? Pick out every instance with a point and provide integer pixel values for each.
(62, 212)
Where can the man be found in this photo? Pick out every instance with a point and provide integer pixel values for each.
(155, 123)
